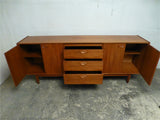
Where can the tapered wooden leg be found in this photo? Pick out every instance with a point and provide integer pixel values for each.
(128, 78)
(37, 79)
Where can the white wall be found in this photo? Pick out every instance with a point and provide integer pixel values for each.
(20, 18)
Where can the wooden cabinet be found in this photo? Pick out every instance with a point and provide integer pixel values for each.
(82, 59)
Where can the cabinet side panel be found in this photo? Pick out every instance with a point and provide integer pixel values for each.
(16, 64)
(52, 58)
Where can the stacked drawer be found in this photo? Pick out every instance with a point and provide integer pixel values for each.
(83, 64)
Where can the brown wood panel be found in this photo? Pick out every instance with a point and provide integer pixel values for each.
(126, 68)
(139, 59)
(83, 78)
(52, 58)
(83, 65)
(84, 39)
(128, 58)
(83, 54)
(113, 57)
(16, 64)
(147, 63)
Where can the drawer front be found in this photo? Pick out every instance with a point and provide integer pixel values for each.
(83, 54)
(83, 65)
(83, 78)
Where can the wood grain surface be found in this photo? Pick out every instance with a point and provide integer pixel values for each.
(83, 78)
(84, 39)
(113, 57)
(52, 58)
(16, 64)
(83, 54)
(83, 65)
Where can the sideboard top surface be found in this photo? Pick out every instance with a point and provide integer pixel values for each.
(84, 39)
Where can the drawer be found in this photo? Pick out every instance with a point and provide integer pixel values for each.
(83, 65)
(83, 78)
(83, 54)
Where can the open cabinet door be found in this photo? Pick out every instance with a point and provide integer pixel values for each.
(147, 62)
(16, 64)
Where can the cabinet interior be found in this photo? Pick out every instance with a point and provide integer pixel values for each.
(31, 50)
(33, 58)
(134, 47)
(34, 65)
(83, 47)
(131, 52)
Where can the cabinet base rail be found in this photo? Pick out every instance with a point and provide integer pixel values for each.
(127, 80)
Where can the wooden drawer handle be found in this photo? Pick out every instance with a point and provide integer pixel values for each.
(83, 51)
(83, 76)
(83, 63)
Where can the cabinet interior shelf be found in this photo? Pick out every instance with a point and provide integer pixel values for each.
(129, 68)
(34, 65)
(36, 68)
(132, 53)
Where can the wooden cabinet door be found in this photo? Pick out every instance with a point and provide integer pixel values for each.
(16, 64)
(147, 62)
(52, 58)
(113, 57)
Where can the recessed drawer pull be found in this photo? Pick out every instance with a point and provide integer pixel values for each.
(83, 52)
(83, 63)
(83, 76)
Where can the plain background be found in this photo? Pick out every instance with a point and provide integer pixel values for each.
(20, 18)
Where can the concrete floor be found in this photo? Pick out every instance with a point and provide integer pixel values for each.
(51, 99)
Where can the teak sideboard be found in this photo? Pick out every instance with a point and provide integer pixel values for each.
(82, 59)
